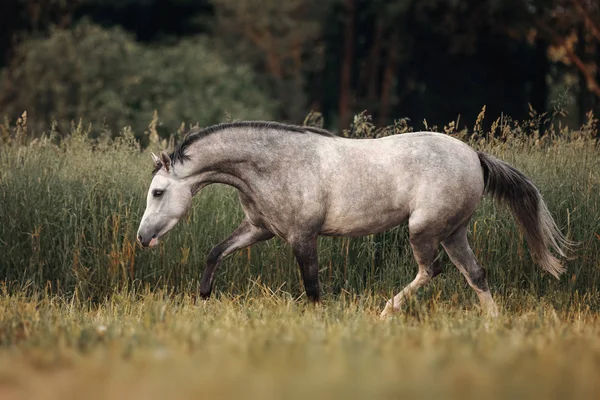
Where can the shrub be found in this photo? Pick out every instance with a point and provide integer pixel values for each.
(106, 75)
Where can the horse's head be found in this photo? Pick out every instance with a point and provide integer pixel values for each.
(169, 198)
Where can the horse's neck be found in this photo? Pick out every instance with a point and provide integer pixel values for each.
(228, 160)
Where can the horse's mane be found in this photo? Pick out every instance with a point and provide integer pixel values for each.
(196, 134)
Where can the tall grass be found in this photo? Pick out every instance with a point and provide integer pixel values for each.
(69, 211)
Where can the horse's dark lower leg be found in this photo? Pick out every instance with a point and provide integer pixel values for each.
(245, 235)
(426, 252)
(306, 256)
(461, 255)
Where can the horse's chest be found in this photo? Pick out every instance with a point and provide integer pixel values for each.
(258, 214)
(285, 214)
(252, 211)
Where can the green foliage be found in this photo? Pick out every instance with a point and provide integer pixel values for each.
(509, 54)
(105, 74)
(282, 40)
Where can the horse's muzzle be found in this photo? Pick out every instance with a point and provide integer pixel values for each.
(147, 242)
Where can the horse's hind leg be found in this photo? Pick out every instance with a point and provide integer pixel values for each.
(245, 235)
(426, 251)
(462, 256)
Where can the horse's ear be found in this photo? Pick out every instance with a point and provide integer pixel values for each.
(166, 160)
(155, 159)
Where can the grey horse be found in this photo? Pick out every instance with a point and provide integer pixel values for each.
(300, 182)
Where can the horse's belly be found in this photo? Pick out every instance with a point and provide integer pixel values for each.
(363, 222)
(366, 201)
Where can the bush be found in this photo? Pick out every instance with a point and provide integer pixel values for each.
(107, 75)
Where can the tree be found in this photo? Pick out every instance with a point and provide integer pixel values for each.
(568, 30)
(65, 77)
(281, 39)
(19, 18)
(374, 43)
(572, 30)
(347, 62)
(572, 27)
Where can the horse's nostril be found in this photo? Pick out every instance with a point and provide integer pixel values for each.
(154, 236)
(139, 238)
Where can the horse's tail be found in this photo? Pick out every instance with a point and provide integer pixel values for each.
(508, 184)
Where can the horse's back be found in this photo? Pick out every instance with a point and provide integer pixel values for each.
(375, 184)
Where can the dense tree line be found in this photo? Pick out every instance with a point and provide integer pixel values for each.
(439, 60)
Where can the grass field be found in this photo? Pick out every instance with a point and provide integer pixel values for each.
(155, 346)
(85, 312)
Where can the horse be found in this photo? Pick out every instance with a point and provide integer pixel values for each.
(300, 182)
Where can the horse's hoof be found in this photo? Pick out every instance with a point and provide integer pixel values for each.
(493, 313)
(388, 311)
(204, 296)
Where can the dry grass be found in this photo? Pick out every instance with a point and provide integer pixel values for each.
(155, 346)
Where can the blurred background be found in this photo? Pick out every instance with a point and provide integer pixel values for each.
(113, 63)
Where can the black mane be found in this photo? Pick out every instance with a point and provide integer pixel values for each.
(197, 134)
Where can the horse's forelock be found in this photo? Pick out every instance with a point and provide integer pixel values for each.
(157, 168)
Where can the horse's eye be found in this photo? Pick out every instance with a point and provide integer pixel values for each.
(157, 193)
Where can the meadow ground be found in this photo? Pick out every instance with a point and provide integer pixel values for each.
(270, 346)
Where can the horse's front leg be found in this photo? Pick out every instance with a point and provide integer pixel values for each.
(245, 235)
(305, 250)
